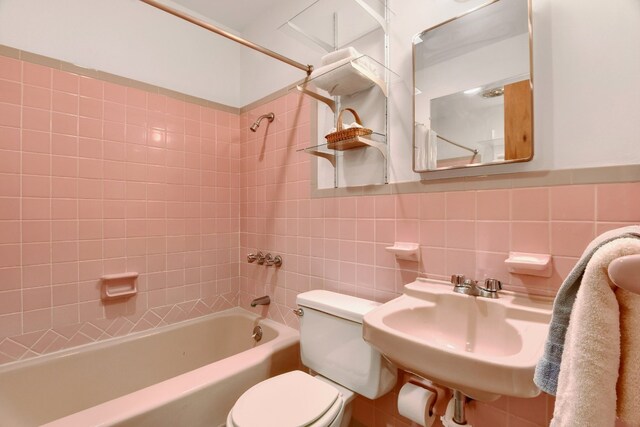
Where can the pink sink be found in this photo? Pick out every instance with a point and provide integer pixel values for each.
(483, 347)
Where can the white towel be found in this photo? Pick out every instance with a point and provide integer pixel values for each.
(590, 365)
(432, 149)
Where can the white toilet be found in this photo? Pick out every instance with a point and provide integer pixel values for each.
(331, 344)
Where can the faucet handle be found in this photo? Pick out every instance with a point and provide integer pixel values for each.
(457, 279)
(260, 258)
(492, 285)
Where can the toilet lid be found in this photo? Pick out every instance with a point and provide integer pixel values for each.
(294, 399)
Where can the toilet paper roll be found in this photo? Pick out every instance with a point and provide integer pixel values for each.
(414, 403)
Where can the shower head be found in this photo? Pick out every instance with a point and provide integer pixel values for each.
(256, 124)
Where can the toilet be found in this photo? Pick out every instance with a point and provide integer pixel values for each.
(331, 345)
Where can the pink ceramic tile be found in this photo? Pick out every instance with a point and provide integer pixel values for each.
(9, 255)
(90, 107)
(31, 208)
(36, 231)
(9, 185)
(36, 142)
(37, 75)
(9, 233)
(36, 164)
(36, 253)
(9, 138)
(64, 145)
(460, 262)
(530, 237)
(530, 204)
(460, 205)
(10, 302)
(90, 87)
(493, 236)
(36, 119)
(572, 203)
(385, 207)
(64, 209)
(36, 97)
(65, 124)
(115, 93)
(65, 82)
(10, 115)
(10, 69)
(493, 205)
(10, 162)
(90, 128)
(460, 234)
(36, 298)
(615, 203)
(136, 98)
(10, 92)
(571, 238)
(63, 102)
(63, 166)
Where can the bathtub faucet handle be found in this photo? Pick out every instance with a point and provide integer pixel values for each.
(254, 257)
(270, 260)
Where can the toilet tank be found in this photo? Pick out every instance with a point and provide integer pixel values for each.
(331, 343)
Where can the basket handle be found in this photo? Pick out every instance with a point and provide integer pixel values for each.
(355, 115)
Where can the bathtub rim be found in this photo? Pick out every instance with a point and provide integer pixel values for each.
(125, 407)
(97, 345)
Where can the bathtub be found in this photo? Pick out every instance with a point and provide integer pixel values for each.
(187, 374)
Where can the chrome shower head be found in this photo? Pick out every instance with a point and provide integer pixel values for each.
(256, 124)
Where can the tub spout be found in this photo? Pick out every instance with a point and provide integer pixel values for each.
(265, 300)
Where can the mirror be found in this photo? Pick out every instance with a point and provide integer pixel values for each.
(473, 102)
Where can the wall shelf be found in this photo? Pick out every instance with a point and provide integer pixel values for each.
(333, 24)
(354, 74)
(375, 140)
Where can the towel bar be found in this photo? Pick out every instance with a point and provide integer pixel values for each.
(624, 272)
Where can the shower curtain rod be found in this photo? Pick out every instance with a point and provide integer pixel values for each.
(473, 150)
(306, 68)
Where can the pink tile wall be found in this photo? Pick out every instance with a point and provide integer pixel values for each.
(338, 243)
(97, 178)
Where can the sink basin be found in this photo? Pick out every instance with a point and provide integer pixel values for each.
(483, 347)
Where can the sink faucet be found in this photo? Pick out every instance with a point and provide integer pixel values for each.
(265, 300)
(465, 286)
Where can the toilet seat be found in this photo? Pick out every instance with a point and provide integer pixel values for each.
(294, 399)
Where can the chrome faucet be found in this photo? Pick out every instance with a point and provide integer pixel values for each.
(265, 300)
(465, 286)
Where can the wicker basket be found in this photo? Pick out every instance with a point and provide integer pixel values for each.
(346, 139)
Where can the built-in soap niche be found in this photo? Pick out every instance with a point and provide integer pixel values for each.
(352, 35)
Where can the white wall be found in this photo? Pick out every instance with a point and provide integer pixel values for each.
(127, 38)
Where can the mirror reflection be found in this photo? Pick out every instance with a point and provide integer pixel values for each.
(473, 91)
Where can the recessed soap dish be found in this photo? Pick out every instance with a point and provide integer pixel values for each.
(405, 250)
(530, 264)
(119, 285)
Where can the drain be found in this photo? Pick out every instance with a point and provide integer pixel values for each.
(257, 333)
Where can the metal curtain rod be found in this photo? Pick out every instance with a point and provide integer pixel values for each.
(306, 68)
(473, 150)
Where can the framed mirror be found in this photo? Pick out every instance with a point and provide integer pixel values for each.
(473, 101)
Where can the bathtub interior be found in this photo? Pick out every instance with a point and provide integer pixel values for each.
(37, 391)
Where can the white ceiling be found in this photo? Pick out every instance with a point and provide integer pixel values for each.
(234, 14)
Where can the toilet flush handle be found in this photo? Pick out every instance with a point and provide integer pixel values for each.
(298, 312)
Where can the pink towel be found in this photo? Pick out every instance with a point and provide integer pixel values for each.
(597, 363)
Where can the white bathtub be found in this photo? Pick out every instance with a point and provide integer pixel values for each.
(187, 374)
